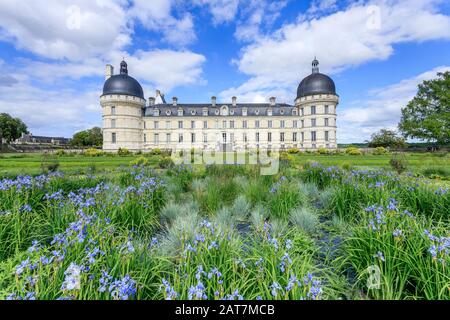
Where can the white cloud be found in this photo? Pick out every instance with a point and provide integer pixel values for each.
(51, 112)
(165, 69)
(222, 11)
(340, 40)
(381, 110)
(59, 29)
(255, 16)
(157, 15)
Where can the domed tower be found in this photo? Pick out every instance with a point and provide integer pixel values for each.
(122, 104)
(316, 102)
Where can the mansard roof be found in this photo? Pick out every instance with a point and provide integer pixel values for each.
(196, 109)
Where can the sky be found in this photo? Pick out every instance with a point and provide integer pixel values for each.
(53, 54)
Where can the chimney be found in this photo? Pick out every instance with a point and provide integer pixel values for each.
(213, 101)
(109, 71)
(151, 101)
(233, 100)
(272, 101)
(174, 101)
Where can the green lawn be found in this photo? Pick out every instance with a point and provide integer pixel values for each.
(14, 164)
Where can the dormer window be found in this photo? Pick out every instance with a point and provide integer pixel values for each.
(294, 112)
(224, 110)
(205, 111)
(155, 112)
(180, 112)
(257, 112)
(269, 112)
(193, 112)
(244, 111)
(281, 111)
(168, 112)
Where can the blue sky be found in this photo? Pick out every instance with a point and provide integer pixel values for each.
(53, 54)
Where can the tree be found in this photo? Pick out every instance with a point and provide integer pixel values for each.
(88, 138)
(387, 139)
(11, 128)
(427, 115)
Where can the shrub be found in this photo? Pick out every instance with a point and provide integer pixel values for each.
(156, 151)
(165, 163)
(434, 172)
(92, 152)
(353, 151)
(140, 161)
(346, 166)
(60, 152)
(293, 151)
(304, 218)
(323, 151)
(380, 151)
(398, 163)
(49, 163)
(123, 152)
(286, 160)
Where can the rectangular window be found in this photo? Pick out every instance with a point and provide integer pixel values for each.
(313, 109)
(224, 137)
(269, 136)
(167, 124)
(282, 124)
(205, 124)
(303, 123)
(192, 137)
(192, 124)
(294, 136)
(232, 124)
(180, 137)
(156, 138)
(326, 122)
(145, 124)
(205, 137)
(145, 137)
(113, 137)
(224, 124)
(113, 123)
(282, 136)
(180, 124)
(156, 125)
(313, 122)
(244, 124)
(302, 111)
(327, 109)
(113, 110)
(326, 135)
(303, 136)
(244, 137)
(257, 124)
(295, 124)
(216, 124)
(167, 137)
(257, 136)
(313, 145)
(269, 124)
(313, 136)
(231, 137)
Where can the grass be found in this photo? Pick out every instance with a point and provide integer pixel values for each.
(223, 232)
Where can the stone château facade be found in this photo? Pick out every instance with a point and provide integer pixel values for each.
(130, 121)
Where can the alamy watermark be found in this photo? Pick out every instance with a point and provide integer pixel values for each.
(267, 159)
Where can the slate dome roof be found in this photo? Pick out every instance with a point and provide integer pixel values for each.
(123, 84)
(316, 83)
